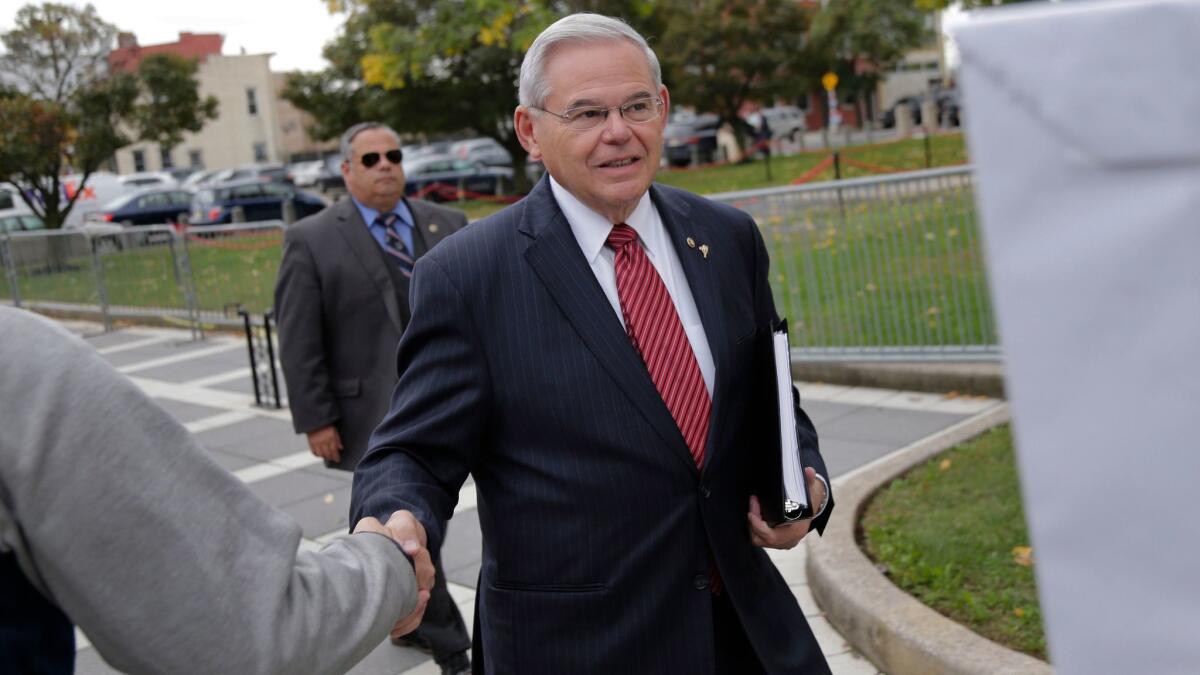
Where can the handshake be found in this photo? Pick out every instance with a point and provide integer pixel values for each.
(409, 534)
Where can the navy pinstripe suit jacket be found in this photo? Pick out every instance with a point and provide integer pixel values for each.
(598, 530)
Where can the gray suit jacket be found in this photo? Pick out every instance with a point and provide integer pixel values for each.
(341, 307)
(168, 562)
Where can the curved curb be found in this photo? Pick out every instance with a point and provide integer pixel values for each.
(965, 377)
(899, 634)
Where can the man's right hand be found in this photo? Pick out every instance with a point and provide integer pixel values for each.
(408, 532)
(326, 443)
(406, 529)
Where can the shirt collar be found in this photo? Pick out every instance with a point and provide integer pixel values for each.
(591, 229)
(369, 214)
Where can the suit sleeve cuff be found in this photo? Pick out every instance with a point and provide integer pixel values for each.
(824, 502)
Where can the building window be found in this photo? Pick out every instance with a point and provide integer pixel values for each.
(139, 160)
(251, 101)
(195, 159)
(165, 156)
(260, 152)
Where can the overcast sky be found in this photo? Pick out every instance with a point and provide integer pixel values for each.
(293, 30)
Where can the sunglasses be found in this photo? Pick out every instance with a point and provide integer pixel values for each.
(370, 159)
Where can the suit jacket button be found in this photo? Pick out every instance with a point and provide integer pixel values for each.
(700, 582)
(705, 492)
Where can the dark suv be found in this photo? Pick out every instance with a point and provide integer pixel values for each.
(258, 200)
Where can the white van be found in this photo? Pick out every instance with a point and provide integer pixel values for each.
(102, 187)
(786, 121)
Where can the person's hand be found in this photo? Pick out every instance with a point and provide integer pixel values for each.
(408, 532)
(326, 443)
(784, 536)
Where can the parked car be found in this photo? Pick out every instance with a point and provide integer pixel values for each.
(319, 174)
(305, 174)
(101, 188)
(453, 173)
(153, 206)
(887, 118)
(200, 178)
(148, 179)
(266, 172)
(785, 121)
(20, 222)
(691, 138)
(442, 147)
(258, 200)
(949, 107)
(182, 174)
(486, 151)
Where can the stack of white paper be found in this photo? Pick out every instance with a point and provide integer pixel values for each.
(795, 493)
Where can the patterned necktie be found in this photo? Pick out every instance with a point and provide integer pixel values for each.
(657, 334)
(393, 245)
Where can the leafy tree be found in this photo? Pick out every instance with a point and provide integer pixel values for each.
(859, 40)
(435, 68)
(170, 101)
(56, 49)
(65, 112)
(719, 55)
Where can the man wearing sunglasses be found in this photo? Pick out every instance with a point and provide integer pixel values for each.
(341, 299)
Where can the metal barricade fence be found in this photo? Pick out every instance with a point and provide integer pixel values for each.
(51, 269)
(878, 268)
(142, 275)
(191, 277)
(875, 268)
(232, 266)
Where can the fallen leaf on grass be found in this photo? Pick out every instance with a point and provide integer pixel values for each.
(1019, 612)
(1023, 555)
(944, 465)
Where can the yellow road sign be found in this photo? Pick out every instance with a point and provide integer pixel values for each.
(829, 81)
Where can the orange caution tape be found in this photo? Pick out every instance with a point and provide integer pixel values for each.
(815, 171)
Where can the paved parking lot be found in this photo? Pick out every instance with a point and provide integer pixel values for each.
(206, 385)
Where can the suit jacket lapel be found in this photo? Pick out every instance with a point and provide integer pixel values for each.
(700, 269)
(554, 254)
(428, 229)
(358, 238)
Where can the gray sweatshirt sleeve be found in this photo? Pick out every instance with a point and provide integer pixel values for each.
(166, 561)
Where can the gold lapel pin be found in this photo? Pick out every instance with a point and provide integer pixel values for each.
(691, 242)
(704, 250)
(433, 227)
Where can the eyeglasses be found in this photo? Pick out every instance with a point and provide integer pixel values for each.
(370, 159)
(585, 118)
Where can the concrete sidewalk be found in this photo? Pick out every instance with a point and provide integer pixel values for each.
(206, 386)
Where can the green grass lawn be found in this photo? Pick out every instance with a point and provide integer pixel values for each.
(878, 271)
(952, 533)
(226, 271)
(905, 155)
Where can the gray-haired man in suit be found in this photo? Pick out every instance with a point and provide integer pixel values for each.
(342, 303)
(588, 355)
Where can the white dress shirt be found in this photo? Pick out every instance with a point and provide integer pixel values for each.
(591, 230)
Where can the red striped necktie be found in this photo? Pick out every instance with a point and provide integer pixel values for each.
(657, 334)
